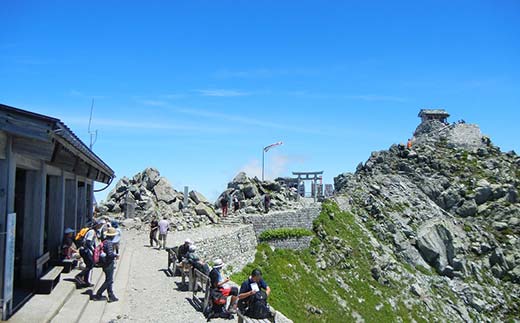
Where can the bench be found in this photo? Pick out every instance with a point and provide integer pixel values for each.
(51, 278)
(244, 319)
(204, 287)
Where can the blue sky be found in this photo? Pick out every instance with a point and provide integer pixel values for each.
(197, 88)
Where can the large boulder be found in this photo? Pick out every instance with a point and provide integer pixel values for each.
(150, 177)
(435, 241)
(164, 191)
(203, 209)
(198, 197)
(250, 191)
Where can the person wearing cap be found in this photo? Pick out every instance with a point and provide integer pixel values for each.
(222, 284)
(87, 253)
(67, 248)
(184, 249)
(250, 287)
(108, 260)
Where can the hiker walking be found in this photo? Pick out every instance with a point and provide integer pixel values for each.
(224, 201)
(87, 253)
(154, 228)
(164, 226)
(108, 268)
(236, 204)
(267, 202)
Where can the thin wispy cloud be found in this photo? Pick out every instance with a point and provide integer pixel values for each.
(153, 103)
(222, 93)
(143, 125)
(81, 94)
(277, 165)
(272, 72)
(246, 121)
(374, 97)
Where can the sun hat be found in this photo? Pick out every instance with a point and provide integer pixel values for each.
(111, 232)
(188, 241)
(192, 248)
(218, 263)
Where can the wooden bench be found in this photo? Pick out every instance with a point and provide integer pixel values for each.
(51, 278)
(202, 283)
(244, 319)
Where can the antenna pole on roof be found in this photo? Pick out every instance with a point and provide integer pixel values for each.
(92, 134)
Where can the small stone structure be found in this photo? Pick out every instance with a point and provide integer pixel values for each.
(434, 114)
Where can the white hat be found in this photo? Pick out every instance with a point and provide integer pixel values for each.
(218, 263)
(192, 247)
(188, 241)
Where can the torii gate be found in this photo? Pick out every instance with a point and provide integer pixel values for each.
(309, 176)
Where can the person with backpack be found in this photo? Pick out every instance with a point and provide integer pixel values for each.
(87, 252)
(221, 285)
(236, 204)
(107, 262)
(224, 201)
(154, 228)
(117, 239)
(253, 297)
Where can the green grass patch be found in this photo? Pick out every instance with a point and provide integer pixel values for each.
(338, 291)
(284, 233)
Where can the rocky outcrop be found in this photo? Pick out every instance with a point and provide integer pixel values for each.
(251, 191)
(450, 205)
(150, 195)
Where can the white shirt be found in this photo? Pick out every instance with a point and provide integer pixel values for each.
(163, 226)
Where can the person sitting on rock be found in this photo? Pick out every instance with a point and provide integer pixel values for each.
(196, 262)
(218, 282)
(252, 305)
(183, 250)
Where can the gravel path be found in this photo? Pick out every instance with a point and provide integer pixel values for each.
(152, 296)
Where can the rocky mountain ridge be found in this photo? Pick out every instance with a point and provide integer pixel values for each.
(449, 204)
(151, 195)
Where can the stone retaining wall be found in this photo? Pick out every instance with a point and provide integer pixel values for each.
(291, 243)
(236, 248)
(300, 218)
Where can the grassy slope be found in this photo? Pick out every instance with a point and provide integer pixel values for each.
(297, 282)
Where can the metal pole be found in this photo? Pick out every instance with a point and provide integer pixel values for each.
(263, 163)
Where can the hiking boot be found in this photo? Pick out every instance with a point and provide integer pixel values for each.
(97, 297)
(112, 299)
(87, 285)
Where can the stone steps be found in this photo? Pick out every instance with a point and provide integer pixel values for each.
(76, 304)
(79, 308)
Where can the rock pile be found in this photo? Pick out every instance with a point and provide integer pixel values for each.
(251, 191)
(450, 203)
(151, 195)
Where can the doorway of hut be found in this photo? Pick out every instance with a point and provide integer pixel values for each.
(22, 289)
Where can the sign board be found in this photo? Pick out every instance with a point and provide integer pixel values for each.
(10, 236)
